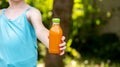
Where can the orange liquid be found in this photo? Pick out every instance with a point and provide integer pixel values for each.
(55, 36)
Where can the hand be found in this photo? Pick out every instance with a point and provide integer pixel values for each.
(62, 46)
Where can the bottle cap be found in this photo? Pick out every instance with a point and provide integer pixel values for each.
(56, 20)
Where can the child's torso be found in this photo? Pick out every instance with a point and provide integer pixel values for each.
(17, 37)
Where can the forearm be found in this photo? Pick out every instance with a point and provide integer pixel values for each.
(42, 33)
(43, 37)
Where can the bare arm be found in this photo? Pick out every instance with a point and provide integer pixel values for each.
(41, 32)
(0, 11)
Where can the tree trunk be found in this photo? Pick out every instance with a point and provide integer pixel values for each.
(63, 10)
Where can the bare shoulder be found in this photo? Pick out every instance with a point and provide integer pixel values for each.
(0, 11)
(34, 12)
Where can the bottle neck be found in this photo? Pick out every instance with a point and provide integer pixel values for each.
(55, 23)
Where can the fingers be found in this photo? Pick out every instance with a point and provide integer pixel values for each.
(63, 44)
(63, 38)
(62, 53)
(63, 48)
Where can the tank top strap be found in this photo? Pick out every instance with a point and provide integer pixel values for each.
(28, 9)
(3, 11)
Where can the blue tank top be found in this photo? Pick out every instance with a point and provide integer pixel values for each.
(18, 42)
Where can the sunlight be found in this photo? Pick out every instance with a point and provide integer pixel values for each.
(41, 65)
(73, 62)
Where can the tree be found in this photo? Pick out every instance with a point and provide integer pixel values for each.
(3, 4)
(63, 10)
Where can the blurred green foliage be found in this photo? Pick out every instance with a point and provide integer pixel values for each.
(3, 4)
(84, 39)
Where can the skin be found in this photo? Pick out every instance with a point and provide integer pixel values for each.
(17, 7)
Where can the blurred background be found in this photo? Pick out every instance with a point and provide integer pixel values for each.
(91, 27)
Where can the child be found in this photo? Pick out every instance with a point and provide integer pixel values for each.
(20, 26)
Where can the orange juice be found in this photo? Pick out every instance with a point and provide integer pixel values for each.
(55, 36)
